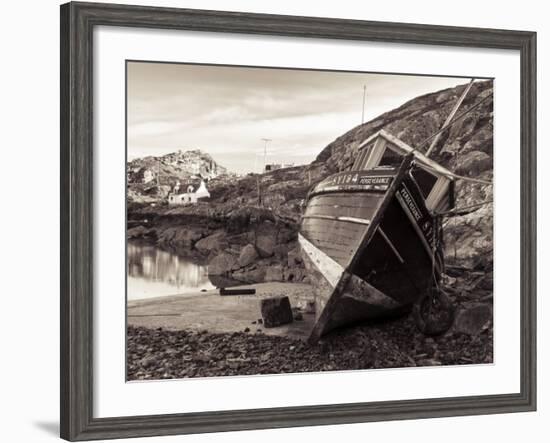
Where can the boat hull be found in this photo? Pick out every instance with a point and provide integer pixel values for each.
(369, 252)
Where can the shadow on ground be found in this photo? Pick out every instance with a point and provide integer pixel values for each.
(49, 427)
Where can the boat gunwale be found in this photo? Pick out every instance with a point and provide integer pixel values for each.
(345, 219)
(389, 172)
(344, 191)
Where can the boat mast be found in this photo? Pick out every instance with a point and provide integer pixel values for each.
(450, 117)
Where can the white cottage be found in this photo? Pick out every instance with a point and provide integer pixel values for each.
(189, 197)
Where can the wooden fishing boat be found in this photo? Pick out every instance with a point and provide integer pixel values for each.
(370, 237)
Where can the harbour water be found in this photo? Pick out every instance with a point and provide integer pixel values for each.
(153, 272)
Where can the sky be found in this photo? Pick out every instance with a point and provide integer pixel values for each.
(227, 111)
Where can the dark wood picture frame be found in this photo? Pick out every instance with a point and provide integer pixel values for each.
(77, 23)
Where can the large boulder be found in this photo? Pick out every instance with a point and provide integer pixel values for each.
(266, 239)
(249, 275)
(469, 236)
(266, 245)
(472, 320)
(481, 141)
(280, 252)
(180, 236)
(139, 232)
(223, 264)
(274, 273)
(276, 311)
(216, 242)
(242, 239)
(474, 163)
(248, 255)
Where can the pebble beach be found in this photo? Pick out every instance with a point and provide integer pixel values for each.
(229, 339)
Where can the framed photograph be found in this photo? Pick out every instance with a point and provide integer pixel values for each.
(273, 221)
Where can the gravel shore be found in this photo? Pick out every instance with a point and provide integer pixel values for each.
(165, 349)
(165, 354)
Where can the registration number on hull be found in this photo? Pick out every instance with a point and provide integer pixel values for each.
(354, 181)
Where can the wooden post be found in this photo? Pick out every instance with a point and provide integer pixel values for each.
(450, 117)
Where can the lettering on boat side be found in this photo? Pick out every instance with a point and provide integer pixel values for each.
(375, 180)
(404, 192)
(354, 181)
(424, 222)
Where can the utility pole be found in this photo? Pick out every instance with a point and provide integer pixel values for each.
(259, 191)
(266, 141)
(363, 111)
(260, 201)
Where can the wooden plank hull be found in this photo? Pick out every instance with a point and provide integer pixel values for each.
(368, 251)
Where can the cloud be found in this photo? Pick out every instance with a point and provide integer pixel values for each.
(227, 110)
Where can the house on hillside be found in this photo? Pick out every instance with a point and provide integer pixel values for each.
(192, 195)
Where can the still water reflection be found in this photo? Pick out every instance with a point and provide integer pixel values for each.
(153, 272)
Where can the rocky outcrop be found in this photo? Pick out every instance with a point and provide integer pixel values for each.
(474, 163)
(180, 237)
(246, 264)
(139, 232)
(468, 236)
(170, 168)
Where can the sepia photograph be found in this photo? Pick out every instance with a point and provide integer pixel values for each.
(284, 220)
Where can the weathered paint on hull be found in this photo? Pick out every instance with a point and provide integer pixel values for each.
(323, 272)
(358, 301)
